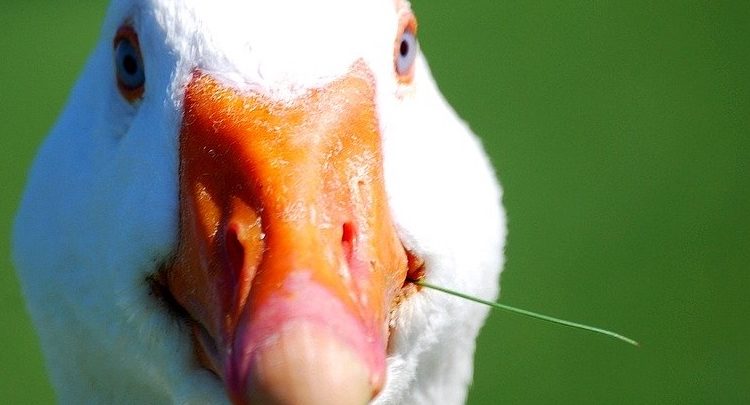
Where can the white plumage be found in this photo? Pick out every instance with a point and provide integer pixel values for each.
(100, 211)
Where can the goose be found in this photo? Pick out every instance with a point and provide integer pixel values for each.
(235, 202)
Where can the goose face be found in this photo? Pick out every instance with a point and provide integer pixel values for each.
(232, 202)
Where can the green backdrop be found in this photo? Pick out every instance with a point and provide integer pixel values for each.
(621, 132)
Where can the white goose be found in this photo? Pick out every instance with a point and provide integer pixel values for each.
(233, 201)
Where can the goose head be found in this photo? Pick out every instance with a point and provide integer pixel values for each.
(233, 202)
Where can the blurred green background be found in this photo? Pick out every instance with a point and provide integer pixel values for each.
(621, 132)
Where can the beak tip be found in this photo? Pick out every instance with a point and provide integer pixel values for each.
(279, 371)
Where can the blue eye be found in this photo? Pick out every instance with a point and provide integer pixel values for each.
(407, 52)
(129, 68)
(406, 48)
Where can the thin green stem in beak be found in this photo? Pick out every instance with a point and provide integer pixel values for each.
(530, 314)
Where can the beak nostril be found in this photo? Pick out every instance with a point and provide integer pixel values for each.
(348, 236)
(235, 253)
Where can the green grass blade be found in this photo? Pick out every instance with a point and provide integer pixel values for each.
(530, 314)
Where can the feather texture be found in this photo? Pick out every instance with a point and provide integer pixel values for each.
(99, 214)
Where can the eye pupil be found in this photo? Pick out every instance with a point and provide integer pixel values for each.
(130, 65)
(404, 48)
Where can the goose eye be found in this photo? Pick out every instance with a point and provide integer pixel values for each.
(406, 48)
(129, 69)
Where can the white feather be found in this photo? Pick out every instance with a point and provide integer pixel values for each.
(100, 209)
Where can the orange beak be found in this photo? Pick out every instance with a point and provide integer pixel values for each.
(288, 260)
